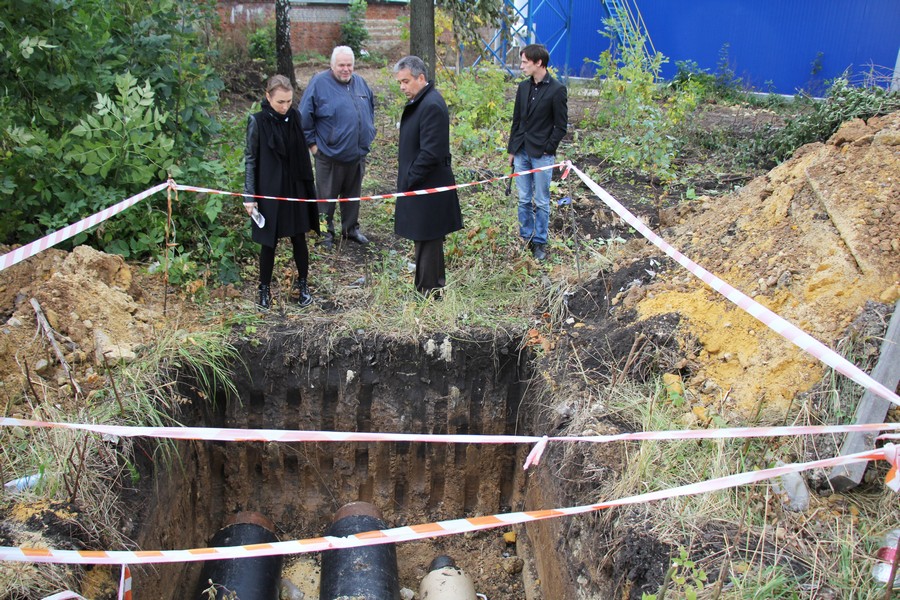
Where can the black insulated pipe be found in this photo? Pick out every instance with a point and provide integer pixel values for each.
(367, 572)
(257, 578)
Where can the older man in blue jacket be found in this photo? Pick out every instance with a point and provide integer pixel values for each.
(338, 117)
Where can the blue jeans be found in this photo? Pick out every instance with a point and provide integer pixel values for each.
(534, 196)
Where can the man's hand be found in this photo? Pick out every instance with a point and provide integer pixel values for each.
(249, 206)
(314, 149)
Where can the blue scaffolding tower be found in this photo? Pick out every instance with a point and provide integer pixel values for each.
(549, 22)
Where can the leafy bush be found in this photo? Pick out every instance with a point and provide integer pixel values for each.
(261, 45)
(639, 124)
(481, 115)
(99, 100)
(353, 30)
(842, 102)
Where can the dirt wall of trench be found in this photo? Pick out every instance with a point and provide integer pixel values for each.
(428, 386)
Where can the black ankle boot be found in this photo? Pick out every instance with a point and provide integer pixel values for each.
(265, 297)
(304, 298)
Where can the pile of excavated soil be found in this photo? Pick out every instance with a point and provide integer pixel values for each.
(812, 240)
(95, 304)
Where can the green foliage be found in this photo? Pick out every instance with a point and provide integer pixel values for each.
(689, 579)
(641, 126)
(353, 30)
(819, 120)
(479, 110)
(468, 16)
(123, 141)
(707, 86)
(98, 100)
(261, 45)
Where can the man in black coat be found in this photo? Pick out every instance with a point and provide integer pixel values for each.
(539, 123)
(424, 163)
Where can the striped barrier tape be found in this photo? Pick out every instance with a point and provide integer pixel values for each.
(292, 435)
(415, 532)
(125, 584)
(779, 325)
(39, 245)
(423, 192)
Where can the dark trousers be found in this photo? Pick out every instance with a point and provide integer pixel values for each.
(430, 271)
(339, 180)
(267, 259)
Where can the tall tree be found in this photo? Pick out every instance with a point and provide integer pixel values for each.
(284, 55)
(421, 32)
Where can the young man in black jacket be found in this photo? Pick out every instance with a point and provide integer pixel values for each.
(539, 123)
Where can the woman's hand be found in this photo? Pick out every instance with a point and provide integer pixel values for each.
(249, 206)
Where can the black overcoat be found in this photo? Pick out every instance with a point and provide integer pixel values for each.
(424, 162)
(277, 164)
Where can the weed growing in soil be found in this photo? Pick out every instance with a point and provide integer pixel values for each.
(745, 537)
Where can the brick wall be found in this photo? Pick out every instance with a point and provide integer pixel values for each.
(317, 27)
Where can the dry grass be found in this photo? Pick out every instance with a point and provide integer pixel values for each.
(87, 473)
(745, 535)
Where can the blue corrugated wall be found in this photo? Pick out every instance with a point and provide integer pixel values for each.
(772, 44)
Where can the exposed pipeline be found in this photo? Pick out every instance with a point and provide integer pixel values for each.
(368, 572)
(256, 578)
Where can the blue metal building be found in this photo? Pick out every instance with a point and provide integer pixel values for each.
(773, 45)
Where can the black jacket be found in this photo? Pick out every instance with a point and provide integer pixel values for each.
(276, 163)
(541, 127)
(424, 162)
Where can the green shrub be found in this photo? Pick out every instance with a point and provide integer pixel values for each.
(639, 124)
(481, 115)
(353, 30)
(822, 119)
(261, 45)
(98, 101)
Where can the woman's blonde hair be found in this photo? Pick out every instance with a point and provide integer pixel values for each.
(278, 82)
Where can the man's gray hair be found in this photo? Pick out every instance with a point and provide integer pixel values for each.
(415, 65)
(338, 50)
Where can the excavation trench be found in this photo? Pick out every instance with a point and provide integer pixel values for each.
(436, 385)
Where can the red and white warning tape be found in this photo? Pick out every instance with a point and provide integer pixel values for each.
(39, 245)
(782, 327)
(424, 192)
(417, 532)
(290, 435)
(29, 250)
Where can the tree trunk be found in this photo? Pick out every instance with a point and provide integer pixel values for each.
(284, 55)
(421, 32)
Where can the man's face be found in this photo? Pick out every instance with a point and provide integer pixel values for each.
(409, 85)
(528, 67)
(342, 67)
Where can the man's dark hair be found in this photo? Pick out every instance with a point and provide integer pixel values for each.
(536, 53)
(415, 65)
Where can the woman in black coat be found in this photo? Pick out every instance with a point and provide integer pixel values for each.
(423, 163)
(277, 163)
